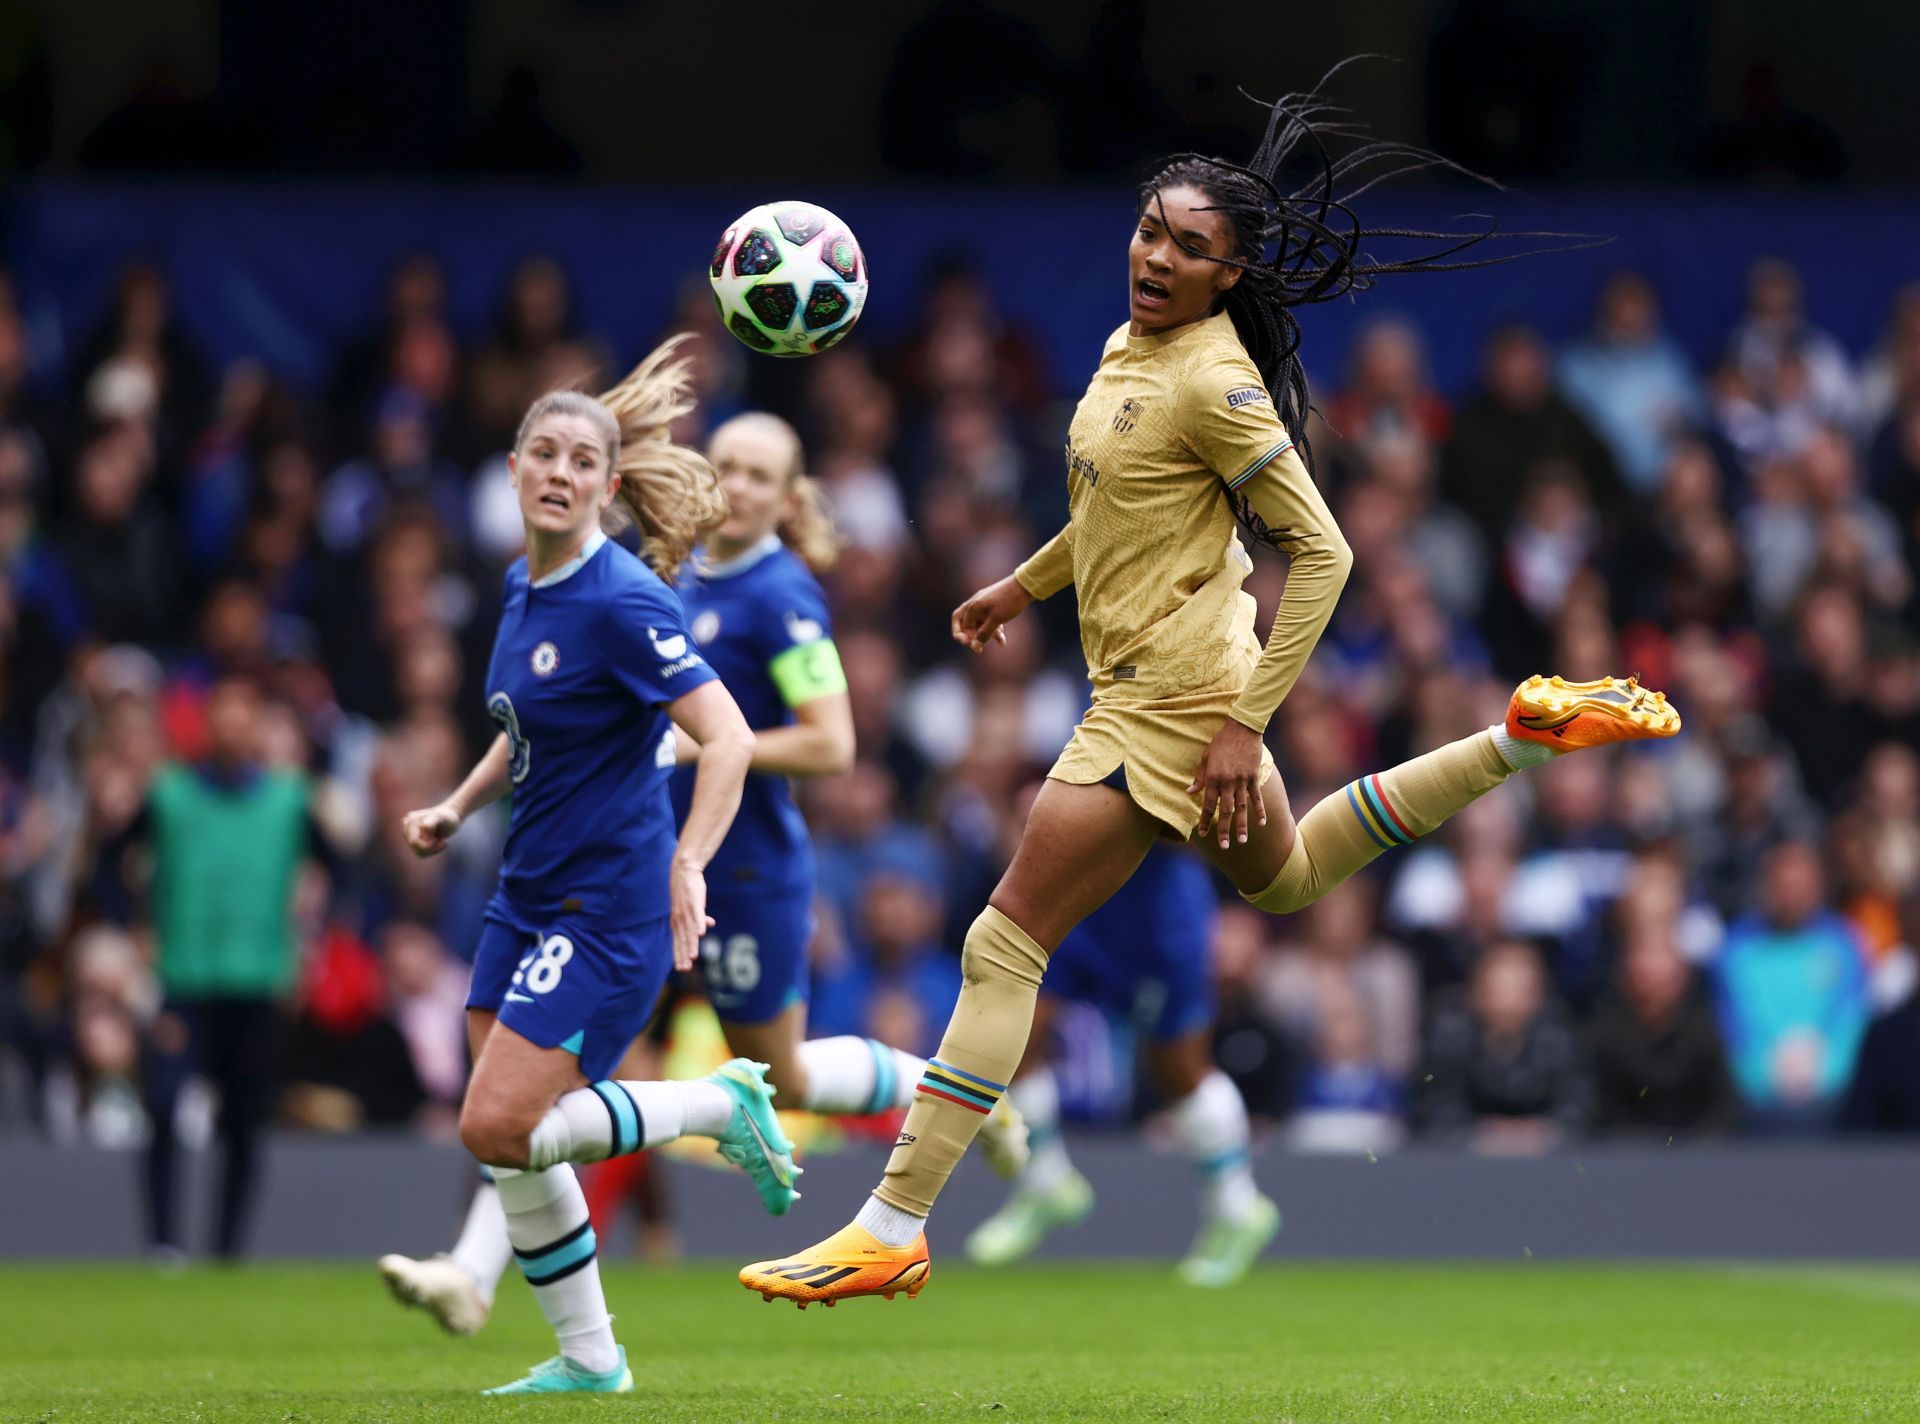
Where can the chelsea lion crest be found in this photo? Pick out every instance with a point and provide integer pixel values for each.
(546, 658)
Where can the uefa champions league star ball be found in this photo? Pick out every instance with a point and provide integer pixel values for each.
(789, 278)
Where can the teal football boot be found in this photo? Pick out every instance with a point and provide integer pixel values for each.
(752, 1139)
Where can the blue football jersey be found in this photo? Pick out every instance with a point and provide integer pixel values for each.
(582, 669)
(761, 622)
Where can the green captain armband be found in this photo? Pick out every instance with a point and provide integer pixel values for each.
(807, 671)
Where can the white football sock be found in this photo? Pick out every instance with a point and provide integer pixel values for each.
(553, 1241)
(1037, 1096)
(1211, 1124)
(858, 1076)
(1518, 754)
(483, 1250)
(612, 1119)
(889, 1225)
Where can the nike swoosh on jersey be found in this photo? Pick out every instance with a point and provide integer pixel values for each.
(513, 998)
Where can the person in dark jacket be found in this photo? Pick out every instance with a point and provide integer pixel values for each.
(1658, 1063)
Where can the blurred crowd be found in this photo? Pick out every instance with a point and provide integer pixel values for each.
(1710, 935)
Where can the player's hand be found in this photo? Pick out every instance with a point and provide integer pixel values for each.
(1229, 784)
(687, 912)
(429, 831)
(984, 615)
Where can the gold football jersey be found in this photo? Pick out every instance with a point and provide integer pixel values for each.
(1170, 424)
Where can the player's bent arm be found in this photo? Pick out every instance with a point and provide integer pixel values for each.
(819, 743)
(1286, 500)
(711, 717)
(428, 830)
(1051, 567)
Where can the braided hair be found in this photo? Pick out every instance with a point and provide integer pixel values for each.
(1303, 244)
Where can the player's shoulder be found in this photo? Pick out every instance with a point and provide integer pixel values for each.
(1117, 341)
(1219, 370)
(629, 596)
(516, 577)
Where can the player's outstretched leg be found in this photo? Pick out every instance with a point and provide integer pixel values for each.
(848, 1076)
(733, 1105)
(456, 1287)
(1237, 1221)
(1048, 1195)
(1080, 845)
(1547, 716)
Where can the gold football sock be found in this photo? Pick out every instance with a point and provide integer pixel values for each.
(1000, 972)
(1378, 812)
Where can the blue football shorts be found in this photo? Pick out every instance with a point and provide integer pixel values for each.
(1151, 970)
(562, 984)
(754, 959)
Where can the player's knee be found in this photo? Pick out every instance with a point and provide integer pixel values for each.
(998, 951)
(1293, 889)
(493, 1138)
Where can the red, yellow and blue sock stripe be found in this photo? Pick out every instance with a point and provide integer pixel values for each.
(1378, 818)
(953, 1085)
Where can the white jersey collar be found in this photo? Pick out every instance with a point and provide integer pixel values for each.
(575, 564)
(742, 561)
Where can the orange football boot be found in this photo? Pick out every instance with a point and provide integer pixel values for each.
(848, 1263)
(1566, 716)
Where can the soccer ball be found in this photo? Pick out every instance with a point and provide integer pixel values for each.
(789, 278)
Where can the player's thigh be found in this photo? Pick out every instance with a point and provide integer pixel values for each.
(1177, 1066)
(514, 1083)
(1253, 866)
(1079, 846)
(480, 1024)
(776, 1043)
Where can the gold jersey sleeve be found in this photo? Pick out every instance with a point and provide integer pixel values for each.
(1230, 421)
(1051, 567)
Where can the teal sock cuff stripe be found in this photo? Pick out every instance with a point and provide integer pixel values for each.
(885, 1076)
(559, 1259)
(486, 1174)
(948, 1068)
(627, 1134)
(1361, 817)
(1224, 1161)
(1260, 464)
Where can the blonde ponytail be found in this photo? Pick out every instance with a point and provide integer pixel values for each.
(810, 531)
(668, 491)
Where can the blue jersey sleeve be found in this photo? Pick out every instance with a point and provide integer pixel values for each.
(797, 643)
(643, 636)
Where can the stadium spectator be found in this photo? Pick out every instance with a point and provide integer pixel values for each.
(1249, 1045)
(1791, 991)
(227, 839)
(1632, 381)
(1885, 1093)
(139, 337)
(1343, 957)
(1515, 423)
(1503, 1071)
(1782, 359)
(1658, 1063)
(1388, 393)
(535, 348)
(118, 546)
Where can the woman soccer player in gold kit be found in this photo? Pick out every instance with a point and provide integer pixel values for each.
(1194, 418)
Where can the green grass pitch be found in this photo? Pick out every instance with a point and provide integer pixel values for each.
(1334, 1343)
